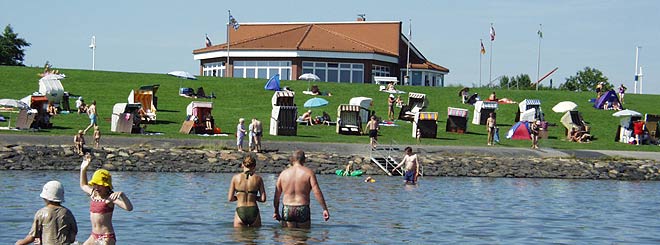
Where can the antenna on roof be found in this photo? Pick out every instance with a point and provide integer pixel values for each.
(361, 17)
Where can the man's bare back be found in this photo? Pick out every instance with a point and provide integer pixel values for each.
(294, 186)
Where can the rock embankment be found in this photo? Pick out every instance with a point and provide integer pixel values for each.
(197, 159)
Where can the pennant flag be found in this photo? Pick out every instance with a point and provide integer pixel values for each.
(233, 22)
(540, 33)
(492, 33)
(483, 50)
(208, 41)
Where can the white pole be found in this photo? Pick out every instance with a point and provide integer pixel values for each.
(93, 47)
(407, 78)
(636, 65)
(490, 65)
(227, 64)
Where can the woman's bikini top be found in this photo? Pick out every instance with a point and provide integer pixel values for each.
(100, 207)
(247, 176)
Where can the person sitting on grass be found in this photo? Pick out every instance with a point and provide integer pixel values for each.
(307, 117)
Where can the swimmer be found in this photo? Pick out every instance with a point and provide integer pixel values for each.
(250, 188)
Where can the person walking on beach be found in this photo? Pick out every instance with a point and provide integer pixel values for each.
(491, 123)
(372, 126)
(91, 111)
(246, 189)
(240, 134)
(103, 202)
(294, 186)
(412, 166)
(52, 224)
(258, 134)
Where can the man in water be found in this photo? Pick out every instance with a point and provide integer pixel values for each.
(412, 166)
(294, 186)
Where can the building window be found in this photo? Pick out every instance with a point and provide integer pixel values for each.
(215, 69)
(335, 72)
(380, 71)
(262, 69)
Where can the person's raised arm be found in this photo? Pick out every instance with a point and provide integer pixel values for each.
(262, 190)
(231, 194)
(83, 174)
(120, 199)
(318, 194)
(276, 199)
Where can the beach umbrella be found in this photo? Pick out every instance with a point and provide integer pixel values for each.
(182, 74)
(309, 77)
(564, 106)
(14, 103)
(315, 102)
(627, 113)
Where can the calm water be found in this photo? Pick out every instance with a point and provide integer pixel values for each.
(191, 208)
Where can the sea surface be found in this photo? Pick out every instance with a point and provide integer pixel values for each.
(192, 208)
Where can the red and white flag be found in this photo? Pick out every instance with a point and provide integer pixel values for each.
(492, 33)
(208, 41)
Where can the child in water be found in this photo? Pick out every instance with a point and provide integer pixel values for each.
(53, 224)
(103, 202)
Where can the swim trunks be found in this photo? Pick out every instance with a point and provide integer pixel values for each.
(373, 133)
(92, 118)
(298, 214)
(248, 214)
(104, 237)
(409, 176)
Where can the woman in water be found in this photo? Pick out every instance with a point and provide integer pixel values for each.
(246, 189)
(103, 201)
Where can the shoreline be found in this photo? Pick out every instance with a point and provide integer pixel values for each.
(168, 155)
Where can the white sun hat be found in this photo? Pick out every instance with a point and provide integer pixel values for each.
(53, 191)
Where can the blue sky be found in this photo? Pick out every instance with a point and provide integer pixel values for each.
(159, 36)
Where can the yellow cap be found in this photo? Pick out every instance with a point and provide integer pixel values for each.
(102, 178)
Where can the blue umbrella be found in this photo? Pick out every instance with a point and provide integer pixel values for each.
(315, 102)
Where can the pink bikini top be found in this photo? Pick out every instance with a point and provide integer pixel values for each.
(100, 207)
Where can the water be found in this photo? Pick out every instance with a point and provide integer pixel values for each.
(192, 208)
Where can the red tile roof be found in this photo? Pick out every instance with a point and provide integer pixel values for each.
(358, 37)
(429, 66)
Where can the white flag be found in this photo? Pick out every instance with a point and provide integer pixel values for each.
(93, 44)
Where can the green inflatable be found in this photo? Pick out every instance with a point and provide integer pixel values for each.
(340, 172)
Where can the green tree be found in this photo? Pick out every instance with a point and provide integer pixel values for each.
(11, 48)
(586, 80)
(504, 82)
(522, 82)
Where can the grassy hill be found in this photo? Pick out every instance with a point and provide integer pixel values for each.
(246, 98)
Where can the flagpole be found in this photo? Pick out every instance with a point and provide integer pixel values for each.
(538, 63)
(490, 66)
(227, 64)
(407, 78)
(93, 46)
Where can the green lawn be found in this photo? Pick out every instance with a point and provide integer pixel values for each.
(247, 98)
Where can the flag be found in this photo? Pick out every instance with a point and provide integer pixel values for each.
(492, 33)
(93, 44)
(233, 22)
(208, 41)
(540, 33)
(483, 50)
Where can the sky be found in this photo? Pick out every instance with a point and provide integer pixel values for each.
(159, 36)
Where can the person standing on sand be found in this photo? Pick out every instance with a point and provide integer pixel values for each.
(491, 124)
(250, 188)
(97, 136)
(294, 186)
(250, 134)
(79, 142)
(412, 166)
(91, 111)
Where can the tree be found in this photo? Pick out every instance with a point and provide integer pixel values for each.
(586, 80)
(504, 82)
(522, 82)
(11, 48)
